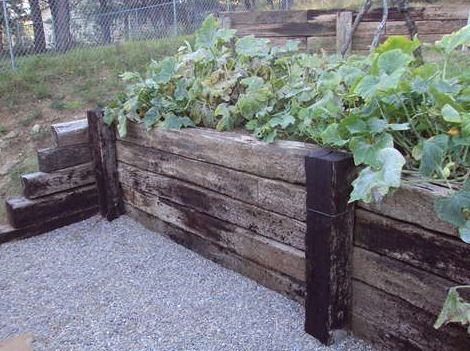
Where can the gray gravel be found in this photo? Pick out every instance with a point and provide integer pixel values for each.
(117, 286)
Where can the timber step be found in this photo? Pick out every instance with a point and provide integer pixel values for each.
(9, 233)
(39, 184)
(23, 212)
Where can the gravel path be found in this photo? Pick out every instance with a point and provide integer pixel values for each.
(117, 286)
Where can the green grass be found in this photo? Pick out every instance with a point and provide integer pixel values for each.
(81, 77)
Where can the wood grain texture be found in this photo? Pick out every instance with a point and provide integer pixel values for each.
(266, 277)
(280, 41)
(277, 227)
(266, 252)
(393, 324)
(344, 21)
(440, 12)
(328, 244)
(55, 158)
(58, 220)
(319, 28)
(426, 250)
(40, 184)
(276, 196)
(414, 204)
(70, 133)
(418, 287)
(103, 148)
(22, 212)
(282, 160)
(426, 27)
(266, 17)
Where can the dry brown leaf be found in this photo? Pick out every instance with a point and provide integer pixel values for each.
(17, 343)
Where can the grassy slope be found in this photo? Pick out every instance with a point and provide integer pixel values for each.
(52, 88)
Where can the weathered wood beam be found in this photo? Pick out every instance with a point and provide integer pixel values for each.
(282, 160)
(330, 222)
(40, 184)
(264, 276)
(269, 253)
(344, 21)
(273, 195)
(429, 251)
(70, 133)
(393, 324)
(277, 227)
(55, 158)
(60, 219)
(103, 147)
(22, 212)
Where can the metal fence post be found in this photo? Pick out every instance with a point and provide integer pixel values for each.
(175, 28)
(6, 19)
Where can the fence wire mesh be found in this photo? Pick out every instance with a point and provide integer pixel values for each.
(34, 27)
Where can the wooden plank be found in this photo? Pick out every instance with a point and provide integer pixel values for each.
(56, 158)
(60, 219)
(270, 279)
(423, 249)
(419, 288)
(319, 44)
(266, 17)
(22, 212)
(344, 21)
(103, 149)
(426, 27)
(282, 160)
(262, 222)
(326, 27)
(436, 13)
(245, 243)
(393, 324)
(330, 223)
(414, 204)
(70, 133)
(279, 197)
(40, 184)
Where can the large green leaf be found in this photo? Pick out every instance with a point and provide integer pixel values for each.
(434, 152)
(250, 46)
(453, 208)
(206, 36)
(450, 42)
(367, 150)
(373, 183)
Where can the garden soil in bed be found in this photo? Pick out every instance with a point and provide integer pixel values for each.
(116, 286)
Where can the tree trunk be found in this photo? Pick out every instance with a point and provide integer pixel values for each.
(38, 27)
(60, 10)
(105, 21)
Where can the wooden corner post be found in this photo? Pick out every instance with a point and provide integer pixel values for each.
(330, 221)
(103, 149)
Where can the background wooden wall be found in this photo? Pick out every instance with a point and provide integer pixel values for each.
(318, 29)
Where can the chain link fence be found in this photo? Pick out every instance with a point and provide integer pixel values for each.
(34, 27)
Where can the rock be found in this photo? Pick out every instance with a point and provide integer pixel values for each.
(11, 135)
(36, 129)
(17, 343)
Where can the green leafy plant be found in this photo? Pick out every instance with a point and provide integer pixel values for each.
(397, 117)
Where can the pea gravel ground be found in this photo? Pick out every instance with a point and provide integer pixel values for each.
(117, 286)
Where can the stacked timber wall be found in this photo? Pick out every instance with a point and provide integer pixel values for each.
(325, 29)
(241, 203)
(231, 198)
(63, 191)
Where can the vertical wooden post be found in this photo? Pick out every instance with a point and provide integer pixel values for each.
(344, 22)
(330, 221)
(103, 150)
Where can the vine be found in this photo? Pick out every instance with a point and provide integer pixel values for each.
(391, 112)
